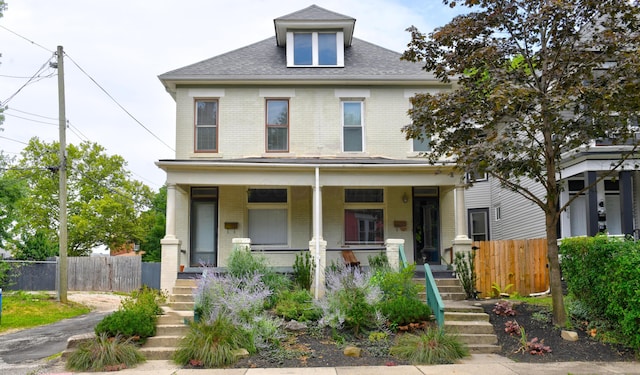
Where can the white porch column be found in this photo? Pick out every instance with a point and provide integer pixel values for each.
(393, 252)
(170, 225)
(318, 250)
(318, 246)
(170, 245)
(461, 242)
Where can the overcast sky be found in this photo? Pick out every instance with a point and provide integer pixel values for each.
(124, 45)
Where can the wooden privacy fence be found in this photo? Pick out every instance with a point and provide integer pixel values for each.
(522, 263)
(105, 273)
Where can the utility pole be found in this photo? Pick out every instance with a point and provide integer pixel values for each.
(62, 172)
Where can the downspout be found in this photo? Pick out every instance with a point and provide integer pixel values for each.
(316, 230)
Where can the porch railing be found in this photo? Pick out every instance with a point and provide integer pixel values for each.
(403, 257)
(434, 301)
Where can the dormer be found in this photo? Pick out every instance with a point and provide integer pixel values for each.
(314, 37)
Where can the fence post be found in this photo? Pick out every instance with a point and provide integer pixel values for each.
(0, 305)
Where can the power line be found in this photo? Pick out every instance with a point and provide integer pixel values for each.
(28, 40)
(32, 114)
(118, 104)
(14, 140)
(29, 119)
(29, 81)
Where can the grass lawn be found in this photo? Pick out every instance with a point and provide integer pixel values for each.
(22, 310)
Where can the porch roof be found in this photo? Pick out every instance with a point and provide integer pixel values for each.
(369, 171)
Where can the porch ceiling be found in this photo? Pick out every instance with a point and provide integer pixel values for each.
(301, 172)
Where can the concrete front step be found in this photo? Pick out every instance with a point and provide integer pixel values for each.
(483, 348)
(158, 353)
(182, 306)
(162, 341)
(171, 329)
(183, 290)
(181, 298)
(469, 327)
(465, 316)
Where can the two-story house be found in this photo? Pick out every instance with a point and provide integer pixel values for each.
(295, 143)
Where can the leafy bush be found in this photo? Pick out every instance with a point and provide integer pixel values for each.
(351, 300)
(104, 354)
(303, 268)
(403, 310)
(396, 284)
(434, 346)
(379, 262)
(466, 272)
(604, 274)
(504, 308)
(136, 316)
(127, 323)
(297, 305)
(512, 327)
(212, 345)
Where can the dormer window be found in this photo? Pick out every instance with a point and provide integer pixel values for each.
(315, 49)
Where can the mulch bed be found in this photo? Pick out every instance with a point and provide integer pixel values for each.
(531, 317)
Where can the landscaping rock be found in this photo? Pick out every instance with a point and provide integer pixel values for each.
(241, 353)
(352, 351)
(295, 326)
(569, 335)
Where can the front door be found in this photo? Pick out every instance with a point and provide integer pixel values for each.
(204, 215)
(426, 230)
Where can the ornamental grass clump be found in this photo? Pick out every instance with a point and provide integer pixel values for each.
(104, 353)
(213, 344)
(431, 347)
(351, 300)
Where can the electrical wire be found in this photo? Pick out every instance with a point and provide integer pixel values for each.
(29, 119)
(118, 104)
(14, 140)
(33, 79)
(28, 40)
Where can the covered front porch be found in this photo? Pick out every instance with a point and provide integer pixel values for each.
(283, 206)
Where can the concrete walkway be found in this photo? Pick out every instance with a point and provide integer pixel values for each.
(477, 364)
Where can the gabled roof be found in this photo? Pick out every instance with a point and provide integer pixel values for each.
(314, 17)
(265, 63)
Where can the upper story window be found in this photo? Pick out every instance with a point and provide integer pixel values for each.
(353, 126)
(315, 49)
(206, 125)
(277, 125)
(422, 145)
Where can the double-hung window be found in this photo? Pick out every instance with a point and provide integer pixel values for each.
(206, 125)
(315, 49)
(277, 125)
(364, 217)
(352, 126)
(422, 145)
(268, 217)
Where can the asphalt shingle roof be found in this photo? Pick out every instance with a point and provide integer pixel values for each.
(314, 13)
(264, 60)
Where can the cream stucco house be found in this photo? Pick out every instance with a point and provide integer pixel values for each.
(294, 143)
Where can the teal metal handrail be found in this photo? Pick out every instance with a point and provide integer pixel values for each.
(434, 301)
(403, 257)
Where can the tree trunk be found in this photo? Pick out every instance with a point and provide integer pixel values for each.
(555, 282)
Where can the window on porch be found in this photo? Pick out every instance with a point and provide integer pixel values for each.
(364, 217)
(268, 214)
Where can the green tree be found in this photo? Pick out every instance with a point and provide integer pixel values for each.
(535, 78)
(11, 191)
(35, 247)
(104, 204)
(155, 224)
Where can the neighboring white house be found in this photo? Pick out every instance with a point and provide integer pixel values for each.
(612, 206)
(295, 143)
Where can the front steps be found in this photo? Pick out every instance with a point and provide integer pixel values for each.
(463, 318)
(171, 326)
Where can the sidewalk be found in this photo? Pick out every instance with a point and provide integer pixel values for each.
(477, 364)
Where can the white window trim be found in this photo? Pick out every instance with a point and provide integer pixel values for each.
(364, 146)
(314, 49)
